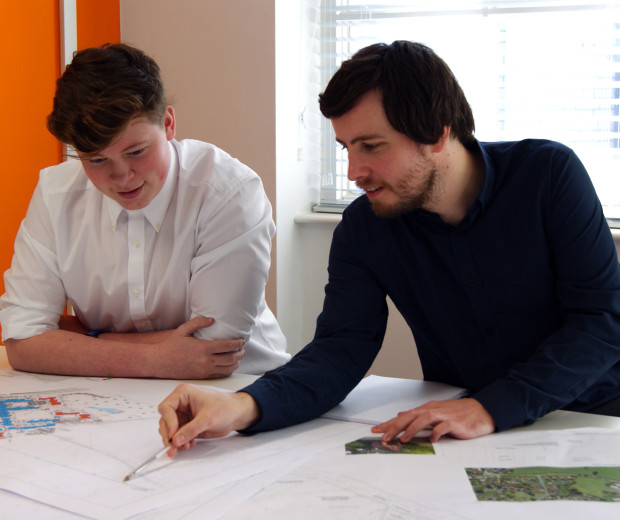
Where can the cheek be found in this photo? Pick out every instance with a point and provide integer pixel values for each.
(152, 165)
(100, 177)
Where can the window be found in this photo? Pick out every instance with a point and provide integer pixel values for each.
(545, 69)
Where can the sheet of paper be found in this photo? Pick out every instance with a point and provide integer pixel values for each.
(376, 399)
(69, 443)
(335, 485)
(107, 427)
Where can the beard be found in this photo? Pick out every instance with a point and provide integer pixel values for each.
(416, 190)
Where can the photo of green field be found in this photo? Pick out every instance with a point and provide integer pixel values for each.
(597, 484)
(367, 445)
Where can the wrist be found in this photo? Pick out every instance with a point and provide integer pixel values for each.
(248, 411)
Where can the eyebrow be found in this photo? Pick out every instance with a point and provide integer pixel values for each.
(124, 150)
(367, 137)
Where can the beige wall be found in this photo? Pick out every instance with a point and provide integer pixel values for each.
(218, 64)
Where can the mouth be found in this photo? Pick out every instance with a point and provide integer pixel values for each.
(372, 192)
(131, 194)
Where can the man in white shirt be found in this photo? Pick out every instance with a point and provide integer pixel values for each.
(161, 247)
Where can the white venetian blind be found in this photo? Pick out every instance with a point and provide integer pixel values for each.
(542, 69)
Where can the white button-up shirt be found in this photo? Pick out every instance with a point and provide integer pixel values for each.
(200, 248)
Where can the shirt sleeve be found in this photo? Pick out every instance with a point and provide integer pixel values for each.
(574, 365)
(348, 336)
(35, 296)
(231, 264)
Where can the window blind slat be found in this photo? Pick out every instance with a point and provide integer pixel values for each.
(535, 69)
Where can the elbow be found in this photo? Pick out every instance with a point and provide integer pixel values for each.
(15, 355)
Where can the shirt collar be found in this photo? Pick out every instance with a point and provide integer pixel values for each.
(483, 199)
(486, 193)
(156, 210)
(488, 186)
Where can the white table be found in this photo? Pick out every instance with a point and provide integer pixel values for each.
(558, 420)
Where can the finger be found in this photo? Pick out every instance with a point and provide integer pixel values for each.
(168, 422)
(197, 322)
(423, 421)
(185, 437)
(440, 429)
(226, 359)
(163, 430)
(172, 451)
(390, 429)
(229, 346)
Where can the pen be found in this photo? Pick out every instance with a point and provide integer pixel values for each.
(135, 472)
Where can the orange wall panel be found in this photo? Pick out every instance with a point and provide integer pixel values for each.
(30, 63)
(98, 22)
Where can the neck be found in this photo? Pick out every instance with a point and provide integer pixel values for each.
(461, 175)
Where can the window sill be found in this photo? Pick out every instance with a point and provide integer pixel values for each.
(312, 217)
(320, 218)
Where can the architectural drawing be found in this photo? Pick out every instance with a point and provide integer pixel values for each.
(41, 413)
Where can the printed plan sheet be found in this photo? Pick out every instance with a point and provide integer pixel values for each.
(67, 443)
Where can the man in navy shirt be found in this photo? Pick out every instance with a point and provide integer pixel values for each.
(497, 255)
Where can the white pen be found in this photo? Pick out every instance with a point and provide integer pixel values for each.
(135, 472)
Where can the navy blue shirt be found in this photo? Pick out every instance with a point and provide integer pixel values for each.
(520, 303)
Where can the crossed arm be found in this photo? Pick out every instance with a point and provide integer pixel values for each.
(168, 354)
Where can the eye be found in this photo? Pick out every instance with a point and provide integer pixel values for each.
(96, 160)
(369, 147)
(135, 153)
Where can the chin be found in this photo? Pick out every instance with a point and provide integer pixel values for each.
(390, 210)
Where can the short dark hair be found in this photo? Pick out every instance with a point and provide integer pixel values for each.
(420, 93)
(101, 90)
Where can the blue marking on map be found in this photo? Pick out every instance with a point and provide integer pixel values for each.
(35, 427)
(107, 410)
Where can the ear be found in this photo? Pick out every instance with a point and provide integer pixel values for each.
(169, 123)
(439, 145)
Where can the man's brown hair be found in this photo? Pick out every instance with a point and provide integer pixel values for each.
(420, 94)
(101, 90)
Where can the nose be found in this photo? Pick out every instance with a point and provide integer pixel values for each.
(356, 169)
(122, 172)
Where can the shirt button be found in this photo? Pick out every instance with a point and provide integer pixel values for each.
(471, 283)
(136, 243)
(135, 292)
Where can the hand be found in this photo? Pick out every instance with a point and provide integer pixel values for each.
(190, 412)
(185, 357)
(460, 418)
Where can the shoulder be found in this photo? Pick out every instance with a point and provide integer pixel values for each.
(204, 164)
(539, 153)
(532, 162)
(66, 177)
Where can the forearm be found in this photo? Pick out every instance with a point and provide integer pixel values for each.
(172, 354)
(313, 382)
(73, 324)
(70, 353)
(566, 369)
(144, 338)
